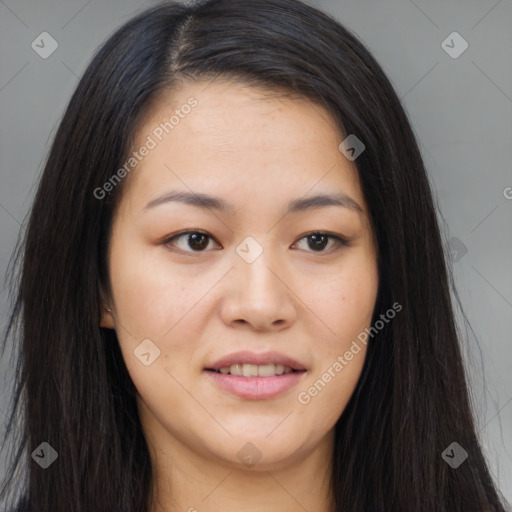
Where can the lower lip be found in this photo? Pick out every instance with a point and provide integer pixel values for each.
(255, 388)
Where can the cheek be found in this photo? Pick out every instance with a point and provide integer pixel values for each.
(346, 301)
(346, 306)
(339, 385)
(155, 302)
(150, 296)
(340, 356)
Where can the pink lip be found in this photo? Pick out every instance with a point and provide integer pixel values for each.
(255, 388)
(248, 357)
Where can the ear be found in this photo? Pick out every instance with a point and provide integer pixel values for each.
(107, 318)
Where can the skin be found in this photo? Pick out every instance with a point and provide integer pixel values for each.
(199, 304)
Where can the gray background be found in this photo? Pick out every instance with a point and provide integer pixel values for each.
(460, 108)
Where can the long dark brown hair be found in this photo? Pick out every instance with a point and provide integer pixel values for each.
(72, 388)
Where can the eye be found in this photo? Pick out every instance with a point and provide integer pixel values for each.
(319, 240)
(195, 240)
(198, 241)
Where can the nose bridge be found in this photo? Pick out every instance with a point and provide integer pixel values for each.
(256, 266)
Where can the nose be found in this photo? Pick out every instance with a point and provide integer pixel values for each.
(258, 295)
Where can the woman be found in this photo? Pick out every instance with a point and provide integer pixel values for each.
(233, 292)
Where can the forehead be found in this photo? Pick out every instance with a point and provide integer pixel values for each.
(240, 142)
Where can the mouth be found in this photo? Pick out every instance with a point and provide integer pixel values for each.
(254, 370)
(255, 376)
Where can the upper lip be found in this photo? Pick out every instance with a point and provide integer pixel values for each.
(247, 357)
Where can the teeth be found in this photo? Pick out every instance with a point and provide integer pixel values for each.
(266, 370)
(253, 370)
(235, 369)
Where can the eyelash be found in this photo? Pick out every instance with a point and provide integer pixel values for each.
(340, 241)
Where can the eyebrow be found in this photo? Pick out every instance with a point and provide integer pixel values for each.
(208, 202)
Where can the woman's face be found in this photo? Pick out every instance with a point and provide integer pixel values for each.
(253, 276)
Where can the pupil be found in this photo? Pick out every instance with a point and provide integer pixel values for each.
(198, 245)
(316, 239)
